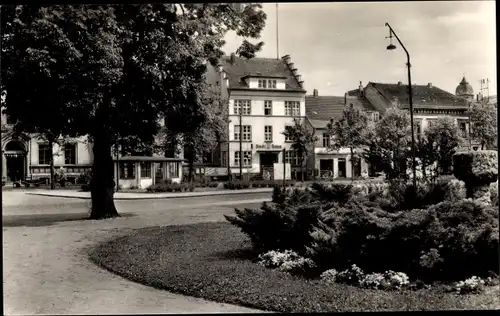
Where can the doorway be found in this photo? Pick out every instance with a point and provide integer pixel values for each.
(342, 168)
(15, 168)
(326, 168)
(267, 161)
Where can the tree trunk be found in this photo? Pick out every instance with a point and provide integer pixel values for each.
(302, 169)
(51, 162)
(101, 185)
(482, 145)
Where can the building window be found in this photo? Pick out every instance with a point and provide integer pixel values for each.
(70, 154)
(463, 129)
(44, 154)
(291, 157)
(267, 84)
(326, 140)
(173, 170)
(268, 133)
(247, 158)
(376, 116)
(430, 123)
(158, 170)
(268, 108)
(145, 169)
(242, 107)
(247, 132)
(417, 128)
(127, 170)
(288, 138)
(292, 108)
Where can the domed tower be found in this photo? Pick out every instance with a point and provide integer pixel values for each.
(464, 90)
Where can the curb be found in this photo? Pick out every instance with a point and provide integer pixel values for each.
(177, 196)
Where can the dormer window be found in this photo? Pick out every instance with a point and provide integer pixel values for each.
(267, 84)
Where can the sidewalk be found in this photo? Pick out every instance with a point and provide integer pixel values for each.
(147, 196)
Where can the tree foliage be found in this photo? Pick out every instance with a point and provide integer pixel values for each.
(388, 143)
(442, 140)
(349, 131)
(302, 140)
(484, 125)
(113, 71)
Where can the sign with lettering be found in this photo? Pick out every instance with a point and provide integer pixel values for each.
(268, 146)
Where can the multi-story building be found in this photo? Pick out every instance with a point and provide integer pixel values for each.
(429, 103)
(27, 155)
(265, 95)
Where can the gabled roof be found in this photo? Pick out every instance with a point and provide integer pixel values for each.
(258, 67)
(327, 107)
(422, 94)
(324, 107)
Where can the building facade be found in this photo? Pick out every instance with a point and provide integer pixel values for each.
(265, 95)
(29, 156)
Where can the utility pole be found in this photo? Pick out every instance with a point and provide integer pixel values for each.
(284, 168)
(277, 34)
(241, 141)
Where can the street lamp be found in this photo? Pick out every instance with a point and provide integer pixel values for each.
(392, 47)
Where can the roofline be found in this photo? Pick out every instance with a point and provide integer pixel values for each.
(268, 90)
(262, 76)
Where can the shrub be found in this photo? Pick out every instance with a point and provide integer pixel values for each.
(339, 193)
(473, 285)
(329, 276)
(287, 261)
(352, 275)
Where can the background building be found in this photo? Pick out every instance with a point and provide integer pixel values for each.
(326, 162)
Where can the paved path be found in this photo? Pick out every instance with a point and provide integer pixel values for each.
(145, 196)
(47, 271)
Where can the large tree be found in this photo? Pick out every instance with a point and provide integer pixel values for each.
(388, 144)
(349, 132)
(302, 141)
(484, 124)
(120, 69)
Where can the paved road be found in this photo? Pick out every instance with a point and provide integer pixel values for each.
(46, 269)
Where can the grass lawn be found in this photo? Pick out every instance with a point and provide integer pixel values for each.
(211, 261)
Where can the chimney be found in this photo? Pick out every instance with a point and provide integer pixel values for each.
(360, 89)
(429, 85)
(315, 93)
(400, 83)
(233, 58)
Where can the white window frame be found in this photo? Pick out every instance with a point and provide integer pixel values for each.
(326, 139)
(268, 106)
(46, 155)
(291, 157)
(268, 133)
(242, 105)
(247, 158)
(267, 83)
(292, 108)
(247, 132)
(287, 138)
(75, 148)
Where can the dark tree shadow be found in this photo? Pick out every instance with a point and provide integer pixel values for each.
(38, 220)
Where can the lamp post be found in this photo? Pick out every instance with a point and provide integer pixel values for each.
(469, 113)
(391, 47)
(241, 142)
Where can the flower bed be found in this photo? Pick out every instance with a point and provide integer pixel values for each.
(242, 184)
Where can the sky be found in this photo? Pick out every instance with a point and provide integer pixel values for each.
(334, 46)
